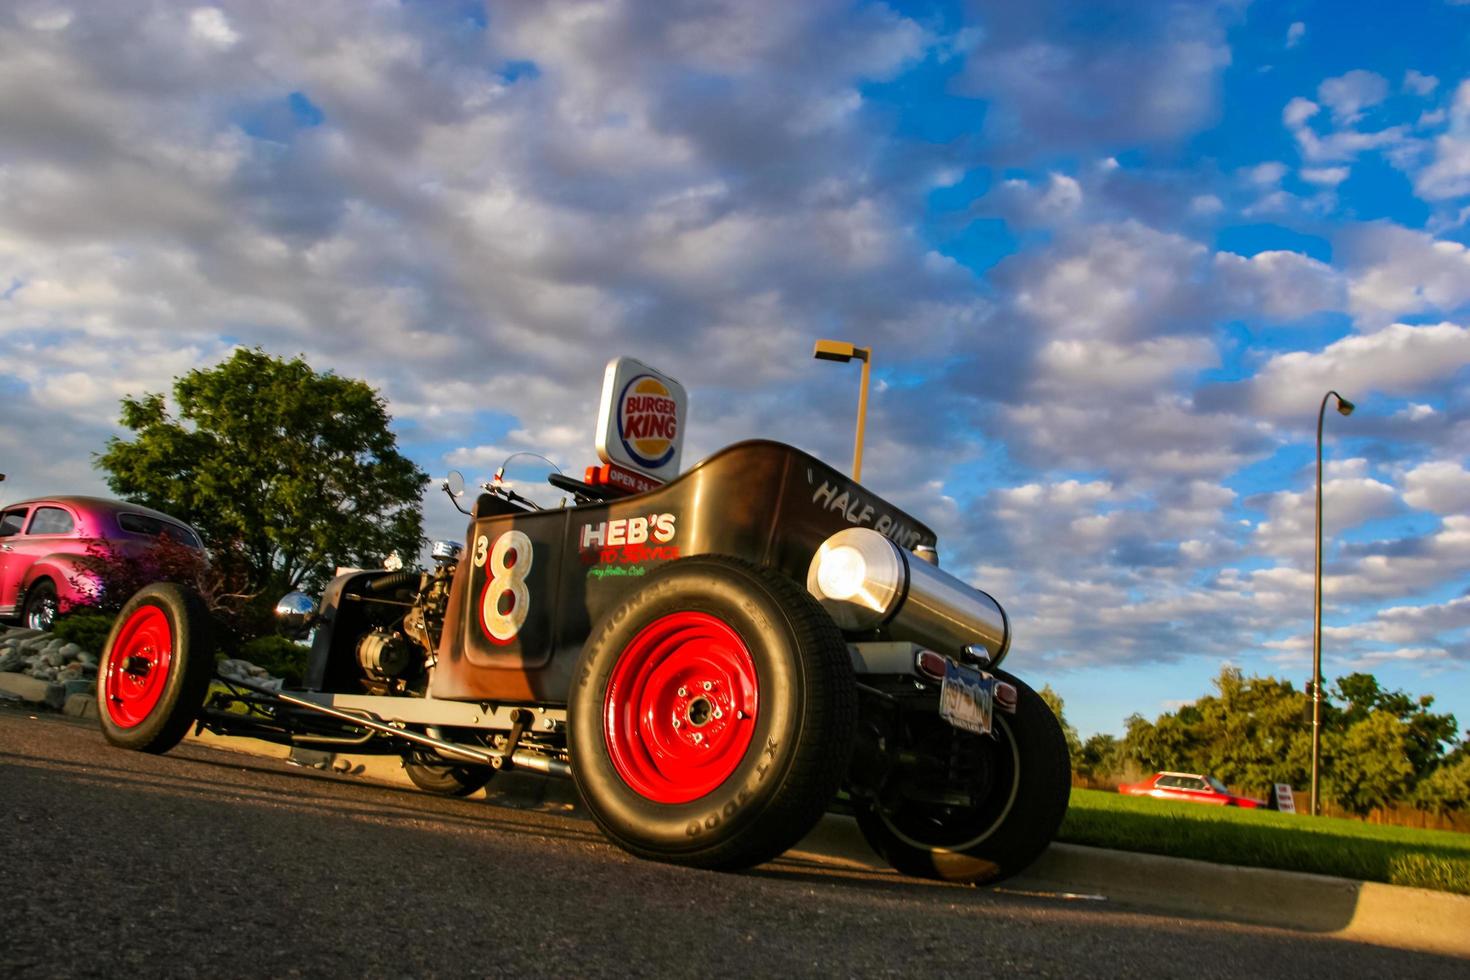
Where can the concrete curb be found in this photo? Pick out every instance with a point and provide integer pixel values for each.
(1385, 915)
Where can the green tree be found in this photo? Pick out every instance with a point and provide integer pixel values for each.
(1054, 702)
(1427, 733)
(1102, 758)
(1447, 790)
(1367, 766)
(284, 471)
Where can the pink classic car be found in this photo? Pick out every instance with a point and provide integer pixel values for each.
(44, 544)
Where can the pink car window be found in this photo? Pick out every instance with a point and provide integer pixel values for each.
(12, 521)
(51, 520)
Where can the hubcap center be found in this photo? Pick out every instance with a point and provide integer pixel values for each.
(700, 712)
(136, 665)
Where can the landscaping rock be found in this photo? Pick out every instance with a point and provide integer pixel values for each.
(76, 687)
(75, 671)
(80, 706)
(246, 671)
(27, 688)
(55, 696)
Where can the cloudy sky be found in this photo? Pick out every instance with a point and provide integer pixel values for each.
(1110, 255)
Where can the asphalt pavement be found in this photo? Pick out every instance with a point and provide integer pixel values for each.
(203, 862)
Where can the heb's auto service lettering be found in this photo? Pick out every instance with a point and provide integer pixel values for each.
(856, 508)
(627, 540)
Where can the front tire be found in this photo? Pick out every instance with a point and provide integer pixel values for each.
(155, 668)
(712, 715)
(1024, 779)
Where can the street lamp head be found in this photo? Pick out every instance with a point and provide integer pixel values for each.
(833, 350)
(1344, 406)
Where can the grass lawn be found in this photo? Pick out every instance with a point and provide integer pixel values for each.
(1438, 859)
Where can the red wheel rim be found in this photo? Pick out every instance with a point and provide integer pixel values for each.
(137, 667)
(680, 708)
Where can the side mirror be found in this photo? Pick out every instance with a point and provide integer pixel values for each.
(295, 614)
(454, 483)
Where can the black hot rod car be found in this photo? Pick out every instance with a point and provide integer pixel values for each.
(715, 662)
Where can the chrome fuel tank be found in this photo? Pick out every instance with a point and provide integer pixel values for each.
(866, 582)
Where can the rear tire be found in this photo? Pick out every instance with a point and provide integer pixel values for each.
(445, 778)
(41, 605)
(155, 668)
(1028, 779)
(712, 715)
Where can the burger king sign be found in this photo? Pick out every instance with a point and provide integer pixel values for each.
(641, 422)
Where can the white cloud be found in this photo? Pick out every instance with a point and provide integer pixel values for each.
(1325, 176)
(1397, 360)
(211, 26)
(1348, 95)
(1419, 83)
(1278, 284)
(1395, 271)
(1288, 530)
(1448, 175)
(1295, 33)
(1153, 76)
(1298, 111)
(1117, 281)
(1267, 174)
(1440, 486)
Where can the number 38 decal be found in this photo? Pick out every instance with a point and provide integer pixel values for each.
(505, 600)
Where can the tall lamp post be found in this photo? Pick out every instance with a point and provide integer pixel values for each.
(837, 350)
(1344, 407)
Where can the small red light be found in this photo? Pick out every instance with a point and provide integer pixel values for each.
(1006, 697)
(931, 663)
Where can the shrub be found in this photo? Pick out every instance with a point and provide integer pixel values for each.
(278, 655)
(114, 574)
(86, 627)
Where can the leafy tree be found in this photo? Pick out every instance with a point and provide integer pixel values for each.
(1427, 733)
(1447, 790)
(285, 472)
(1369, 766)
(1102, 757)
(1054, 702)
(1255, 731)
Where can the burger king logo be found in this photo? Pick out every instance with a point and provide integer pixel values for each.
(647, 421)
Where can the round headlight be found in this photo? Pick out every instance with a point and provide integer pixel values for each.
(859, 577)
(841, 572)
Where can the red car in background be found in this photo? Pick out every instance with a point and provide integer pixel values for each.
(1189, 787)
(44, 546)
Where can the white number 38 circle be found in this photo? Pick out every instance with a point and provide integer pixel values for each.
(505, 601)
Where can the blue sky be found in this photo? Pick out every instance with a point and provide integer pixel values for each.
(1109, 255)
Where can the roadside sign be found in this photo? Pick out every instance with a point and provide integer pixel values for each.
(640, 424)
(1281, 798)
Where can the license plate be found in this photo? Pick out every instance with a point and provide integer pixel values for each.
(967, 698)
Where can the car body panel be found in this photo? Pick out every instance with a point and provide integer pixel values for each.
(61, 556)
(1188, 787)
(764, 502)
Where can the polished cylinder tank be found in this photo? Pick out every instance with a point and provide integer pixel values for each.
(866, 583)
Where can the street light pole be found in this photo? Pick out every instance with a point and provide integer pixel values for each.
(1344, 407)
(838, 350)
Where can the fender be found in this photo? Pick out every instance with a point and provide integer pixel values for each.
(66, 571)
